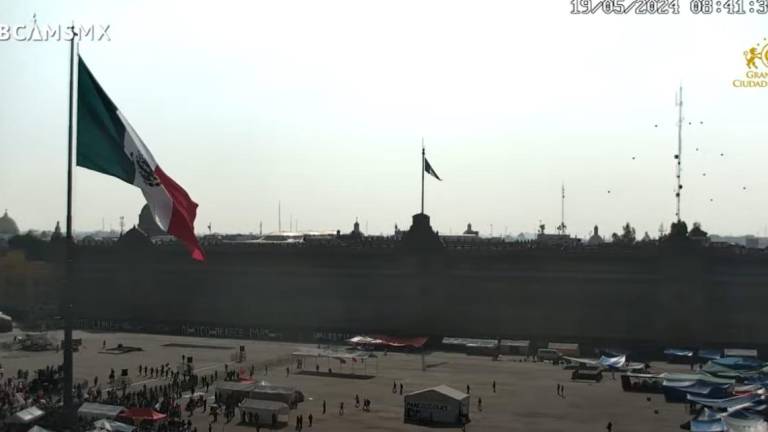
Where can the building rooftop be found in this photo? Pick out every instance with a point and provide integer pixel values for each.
(8, 226)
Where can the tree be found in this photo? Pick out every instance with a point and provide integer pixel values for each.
(628, 234)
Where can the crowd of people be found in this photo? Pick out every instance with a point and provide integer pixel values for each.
(178, 393)
(20, 391)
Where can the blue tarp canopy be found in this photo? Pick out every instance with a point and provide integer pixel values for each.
(722, 371)
(613, 362)
(694, 376)
(725, 403)
(710, 354)
(745, 421)
(680, 391)
(708, 414)
(739, 363)
(717, 425)
(613, 352)
(676, 352)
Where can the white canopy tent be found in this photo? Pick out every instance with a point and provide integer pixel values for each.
(112, 426)
(263, 408)
(348, 362)
(26, 416)
(95, 411)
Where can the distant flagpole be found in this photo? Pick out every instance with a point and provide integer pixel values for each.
(67, 292)
(423, 167)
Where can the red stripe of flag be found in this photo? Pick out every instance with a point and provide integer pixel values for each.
(182, 223)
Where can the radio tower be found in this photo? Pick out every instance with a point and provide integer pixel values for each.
(561, 227)
(679, 155)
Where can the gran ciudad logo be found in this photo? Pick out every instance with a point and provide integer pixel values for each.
(756, 61)
(35, 32)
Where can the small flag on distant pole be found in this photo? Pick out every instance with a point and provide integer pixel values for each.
(429, 170)
(425, 168)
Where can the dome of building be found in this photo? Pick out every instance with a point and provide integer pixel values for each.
(8, 226)
(147, 223)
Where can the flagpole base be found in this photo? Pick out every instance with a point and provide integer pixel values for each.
(421, 236)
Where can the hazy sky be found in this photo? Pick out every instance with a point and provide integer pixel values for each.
(322, 105)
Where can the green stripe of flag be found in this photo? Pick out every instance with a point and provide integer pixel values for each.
(100, 132)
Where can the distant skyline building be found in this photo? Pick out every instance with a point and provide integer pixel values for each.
(8, 226)
(595, 239)
(470, 231)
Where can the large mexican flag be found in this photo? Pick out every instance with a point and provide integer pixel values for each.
(107, 143)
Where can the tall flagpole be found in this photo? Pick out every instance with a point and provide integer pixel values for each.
(678, 192)
(67, 292)
(422, 175)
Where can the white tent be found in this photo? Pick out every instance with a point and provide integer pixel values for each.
(287, 395)
(264, 409)
(437, 405)
(112, 426)
(91, 410)
(239, 389)
(26, 416)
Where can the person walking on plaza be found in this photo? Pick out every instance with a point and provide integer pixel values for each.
(309, 417)
(494, 386)
(479, 404)
(341, 408)
(401, 389)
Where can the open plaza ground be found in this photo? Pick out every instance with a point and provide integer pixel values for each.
(525, 399)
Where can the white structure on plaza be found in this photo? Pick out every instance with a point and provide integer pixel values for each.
(441, 405)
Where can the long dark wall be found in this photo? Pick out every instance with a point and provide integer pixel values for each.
(634, 294)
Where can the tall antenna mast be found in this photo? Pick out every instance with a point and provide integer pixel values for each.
(562, 206)
(279, 218)
(679, 155)
(561, 228)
